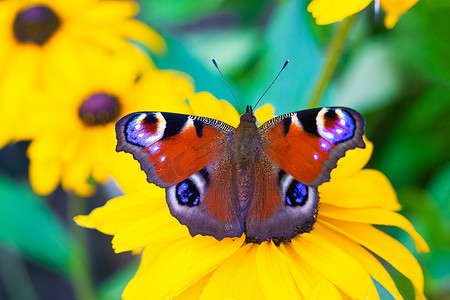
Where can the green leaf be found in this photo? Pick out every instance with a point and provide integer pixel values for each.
(28, 225)
(429, 217)
(182, 58)
(440, 190)
(113, 286)
(417, 141)
(289, 36)
(420, 40)
(370, 81)
(174, 11)
(231, 47)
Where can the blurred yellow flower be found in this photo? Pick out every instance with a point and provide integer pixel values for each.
(73, 136)
(41, 39)
(333, 261)
(330, 11)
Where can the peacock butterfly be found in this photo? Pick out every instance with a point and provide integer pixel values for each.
(223, 181)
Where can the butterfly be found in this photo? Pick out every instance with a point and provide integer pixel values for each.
(223, 181)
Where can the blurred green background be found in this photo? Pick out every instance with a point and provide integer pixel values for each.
(398, 79)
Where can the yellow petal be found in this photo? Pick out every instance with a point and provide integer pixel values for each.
(264, 113)
(44, 177)
(138, 31)
(204, 104)
(64, 66)
(129, 176)
(116, 74)
(138, 287)
(366, 259)
(236, 277)
(76, 174)
(123, 211)
(186, 262)
(394, 9)
(310, 282)
(106, 39)
(366, 188)
(329, 260)
(155, 85)
(44, 171)
(324, 292)
(375, 216)
(195, 290)
(274, 273)
(157, 227)
(110, 11)
(384, 246)
(353, 161)
(329, 11)
(22, 75)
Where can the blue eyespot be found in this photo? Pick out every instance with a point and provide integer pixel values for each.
(337, 127)
(296, 194)
(187, 193)
(144, 129)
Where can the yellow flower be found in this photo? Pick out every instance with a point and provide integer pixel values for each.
(331, 262)
(41, 39)
(330, 11)
(73, 136)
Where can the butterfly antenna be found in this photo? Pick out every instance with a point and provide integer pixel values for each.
(284, 66)
(217, 67)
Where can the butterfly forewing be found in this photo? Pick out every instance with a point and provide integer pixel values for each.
(307, 144)
(171, 147)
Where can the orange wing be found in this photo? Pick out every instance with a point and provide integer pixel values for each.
(281, 206)
(171, 147)
(307, 144)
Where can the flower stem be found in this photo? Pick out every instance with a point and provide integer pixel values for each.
(80, 266)
(334, 53)
(15, 277)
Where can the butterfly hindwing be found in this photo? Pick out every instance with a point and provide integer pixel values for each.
(206, 203)
(171, 147)
(307, 144)
(281, 205)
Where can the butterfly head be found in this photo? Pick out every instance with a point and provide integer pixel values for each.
(248, 116)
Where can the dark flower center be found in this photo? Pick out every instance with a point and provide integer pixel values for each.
(99, 109)
(35, 24)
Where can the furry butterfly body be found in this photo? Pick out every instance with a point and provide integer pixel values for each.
(223, 181)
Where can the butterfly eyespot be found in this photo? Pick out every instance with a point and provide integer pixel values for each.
(296, 194)
(335, 125)
(145, 129)
(187, 193)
